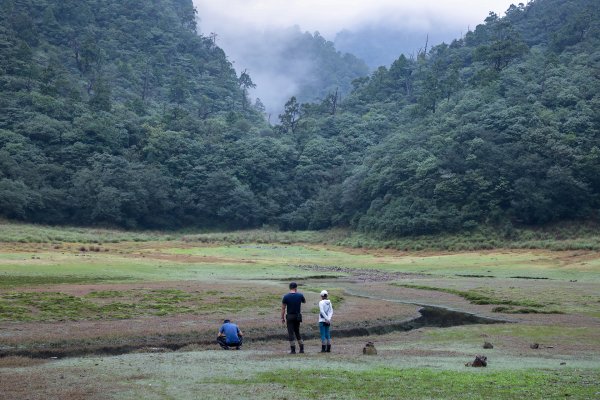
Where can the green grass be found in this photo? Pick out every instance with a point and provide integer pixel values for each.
(502, 264)
(272, 263)
(12, 281)
(273, 374)
(512, 310)
(516, 295)
(269, 236)
(475, 297)
(30, 233)
(115, 304)
(274, 253)
(391, 383)
(94, 267)
(302, 255)
(565, 236)
(499, 334)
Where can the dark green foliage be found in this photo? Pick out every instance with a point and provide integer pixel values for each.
(118, 113)
(499, 128)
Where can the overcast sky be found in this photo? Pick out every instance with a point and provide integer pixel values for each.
(331, 16)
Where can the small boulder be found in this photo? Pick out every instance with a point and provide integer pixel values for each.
(488, 345)
(480, 361)
(370, 349)
(534, 345)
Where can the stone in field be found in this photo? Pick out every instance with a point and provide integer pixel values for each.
(370, 349)
(480, 361)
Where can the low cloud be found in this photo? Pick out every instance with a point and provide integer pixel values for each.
(331, 16)
(253, 32)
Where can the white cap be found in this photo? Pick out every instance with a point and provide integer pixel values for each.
(324, 293)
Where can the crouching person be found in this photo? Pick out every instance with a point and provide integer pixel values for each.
(230, 336)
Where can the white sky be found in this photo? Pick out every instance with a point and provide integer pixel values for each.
(331, 16)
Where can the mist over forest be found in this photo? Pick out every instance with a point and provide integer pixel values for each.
(271, 40)
(288, 62)
(381, 46)
(125, 113)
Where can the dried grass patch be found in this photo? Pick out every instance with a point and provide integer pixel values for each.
(19, 362)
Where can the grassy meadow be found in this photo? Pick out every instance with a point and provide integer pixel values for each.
(88, 289)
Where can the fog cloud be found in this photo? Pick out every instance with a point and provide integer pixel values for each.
(253, 32)
(331, 16)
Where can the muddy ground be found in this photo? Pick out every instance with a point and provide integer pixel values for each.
(368, 305)
(35, 356)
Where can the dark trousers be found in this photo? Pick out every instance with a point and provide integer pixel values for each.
(293, 327)
(222, 340)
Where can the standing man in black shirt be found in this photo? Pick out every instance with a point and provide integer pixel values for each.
(293, 302)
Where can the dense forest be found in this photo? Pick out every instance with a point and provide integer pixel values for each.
(116, 112)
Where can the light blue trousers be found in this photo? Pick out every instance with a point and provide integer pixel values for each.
(325, 334)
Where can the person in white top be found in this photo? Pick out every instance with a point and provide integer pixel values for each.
(325, 314)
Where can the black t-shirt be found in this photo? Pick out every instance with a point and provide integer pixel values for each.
(293, 301)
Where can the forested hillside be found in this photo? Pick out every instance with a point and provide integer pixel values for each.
(501, 127)
(117, 112)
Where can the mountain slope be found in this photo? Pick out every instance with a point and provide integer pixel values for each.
(501, 127)
(117, 112)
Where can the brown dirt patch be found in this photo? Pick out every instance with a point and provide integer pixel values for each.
(564, 256)
(19, 362)
(83, 289)
(354, 312)
(377, 252)
(362, 275)
(53, 383)
(575, 257)
(186, 258)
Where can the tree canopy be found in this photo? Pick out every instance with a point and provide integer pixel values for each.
(117, 112)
